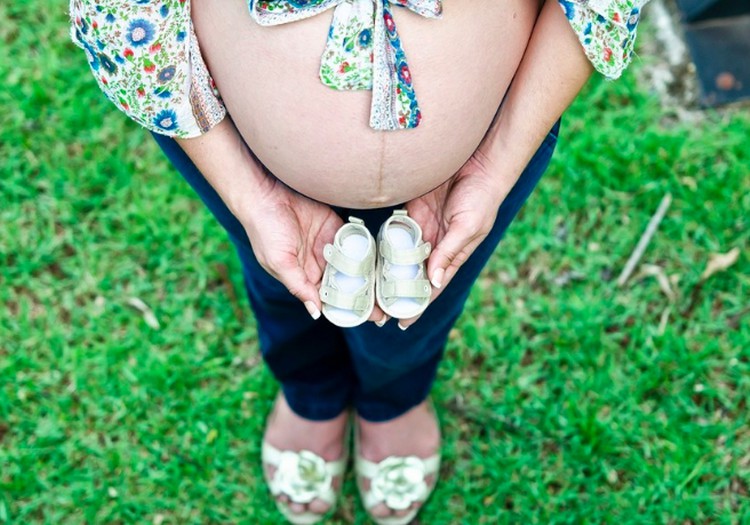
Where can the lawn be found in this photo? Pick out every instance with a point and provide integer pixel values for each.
(564, 398)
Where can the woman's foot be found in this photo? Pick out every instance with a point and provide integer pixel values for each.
(415, 433)
(285, 430)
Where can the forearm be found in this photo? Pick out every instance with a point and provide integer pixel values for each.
(223, 158)
(552, 72)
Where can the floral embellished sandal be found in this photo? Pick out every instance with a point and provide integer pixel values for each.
(397, 481)
(347, 289)
(303, 477)
(402, 288)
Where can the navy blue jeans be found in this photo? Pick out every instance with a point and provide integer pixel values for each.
(323, 369)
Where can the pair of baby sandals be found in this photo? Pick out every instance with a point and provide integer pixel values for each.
(359, 272)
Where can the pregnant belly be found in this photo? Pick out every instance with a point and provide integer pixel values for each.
(318, 141)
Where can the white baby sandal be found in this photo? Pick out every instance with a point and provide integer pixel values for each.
(347, 289)
(402, 288)
(303, 477)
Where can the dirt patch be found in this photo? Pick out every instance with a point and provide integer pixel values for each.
(668, 69)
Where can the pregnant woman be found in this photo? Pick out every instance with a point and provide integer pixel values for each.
(289, 116)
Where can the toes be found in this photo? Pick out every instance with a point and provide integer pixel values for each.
(297, 508)
(380, 511)
(318, 506)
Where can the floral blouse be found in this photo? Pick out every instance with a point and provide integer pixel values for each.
(145, 56)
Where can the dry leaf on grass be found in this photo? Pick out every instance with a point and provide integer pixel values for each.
(148, 315)
(661, 277)
(720, 262)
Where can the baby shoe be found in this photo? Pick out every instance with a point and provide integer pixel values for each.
(347, 290)
(402, 288)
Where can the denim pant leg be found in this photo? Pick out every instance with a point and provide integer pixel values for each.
(396, 369)
(309, 358)
(385, 370)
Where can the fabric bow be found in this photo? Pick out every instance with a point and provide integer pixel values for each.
(363, 51)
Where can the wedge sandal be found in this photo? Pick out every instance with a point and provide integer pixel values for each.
(397, 481)
(402, 288)
(347, 291)
(304, 477)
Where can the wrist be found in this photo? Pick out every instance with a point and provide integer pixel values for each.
(498, 166)
(508, 146)
(249, 185)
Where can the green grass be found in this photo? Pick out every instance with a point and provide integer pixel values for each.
(564, 399)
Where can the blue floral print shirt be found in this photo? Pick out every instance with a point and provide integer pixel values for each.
(145, 56)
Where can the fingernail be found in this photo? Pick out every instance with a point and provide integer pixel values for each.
(402, 327)
(312, 310)
(437, 278)
(382, 322)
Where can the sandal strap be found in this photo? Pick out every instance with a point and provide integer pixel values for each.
(272, 456)
(405, 256)
(357, 301)
(345, 264)
(417, 289)
(368, 469)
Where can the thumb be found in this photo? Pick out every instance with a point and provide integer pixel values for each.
(449, 251)
(296, 281)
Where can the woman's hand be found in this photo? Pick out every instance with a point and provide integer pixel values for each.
(459, 214)
(456, 217)
(287, 232)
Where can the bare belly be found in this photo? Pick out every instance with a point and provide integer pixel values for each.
(318, 141)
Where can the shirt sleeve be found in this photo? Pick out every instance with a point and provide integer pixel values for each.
(145, 58)
(606, 30)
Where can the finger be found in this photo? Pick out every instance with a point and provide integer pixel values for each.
(448, 276)
(450, 250)
(403, 324)
(378, 316)
(296, 281)
(452, 270)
